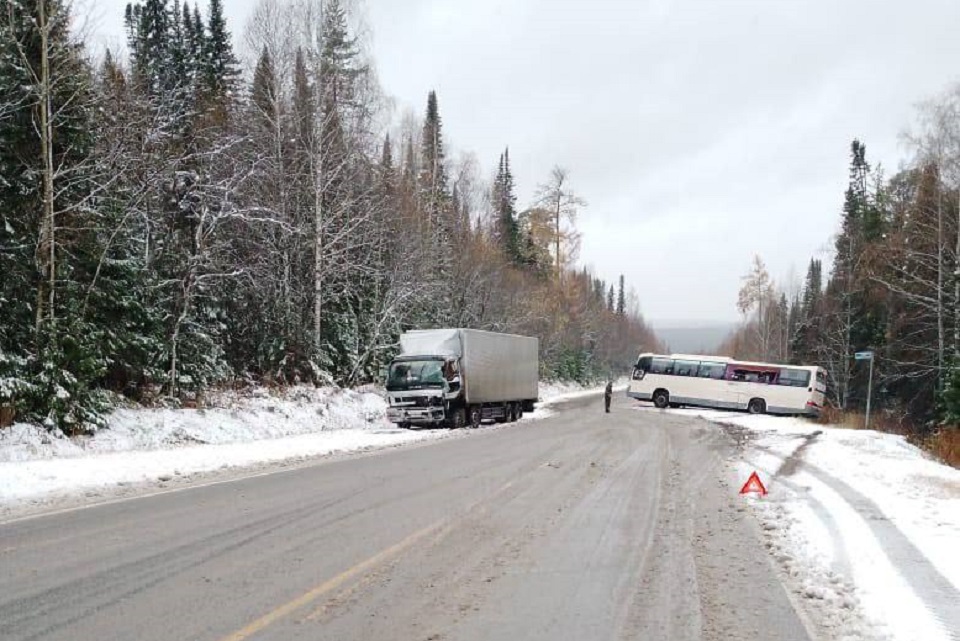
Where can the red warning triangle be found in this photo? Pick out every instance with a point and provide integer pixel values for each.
(753, 484)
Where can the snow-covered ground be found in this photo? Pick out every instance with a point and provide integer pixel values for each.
(866, 525)
(244, 430)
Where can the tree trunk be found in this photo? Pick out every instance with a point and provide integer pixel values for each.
(47, 246)
(940, 321)
(956, 288)
(173, 374)
(318, 261)
(316, 158)
(559, 266)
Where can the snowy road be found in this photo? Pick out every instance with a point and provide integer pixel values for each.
(580, 526)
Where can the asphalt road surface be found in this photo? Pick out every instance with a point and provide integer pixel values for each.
(583, 526)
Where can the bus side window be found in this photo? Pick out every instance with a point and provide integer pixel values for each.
(661, 366)
(686, 368)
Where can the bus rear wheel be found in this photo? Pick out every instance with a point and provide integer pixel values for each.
(661, 399)
(757, 406)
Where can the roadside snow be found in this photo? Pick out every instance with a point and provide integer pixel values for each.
(555, 392)
(864, 523)
(237, 418)
(245, 429)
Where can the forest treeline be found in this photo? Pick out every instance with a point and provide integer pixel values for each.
(171, 220)
(893, 287)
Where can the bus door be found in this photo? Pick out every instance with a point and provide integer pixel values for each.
(745, 384)
(732, 384)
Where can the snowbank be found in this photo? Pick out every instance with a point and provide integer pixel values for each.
(864, 522)
(244, 429)
(256, 414)
(556, 392)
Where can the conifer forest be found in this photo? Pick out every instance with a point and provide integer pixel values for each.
(172, 219)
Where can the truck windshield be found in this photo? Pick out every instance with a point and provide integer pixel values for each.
(415, 375)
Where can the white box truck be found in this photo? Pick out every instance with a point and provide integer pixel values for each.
(456, 377)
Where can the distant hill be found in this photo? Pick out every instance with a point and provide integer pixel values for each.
(692, 338)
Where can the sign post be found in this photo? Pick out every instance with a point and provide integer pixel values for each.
(867, 356)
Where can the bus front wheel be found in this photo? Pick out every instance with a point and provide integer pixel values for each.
(757, 406)
(661, 399)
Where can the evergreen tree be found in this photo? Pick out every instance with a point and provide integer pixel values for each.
(610, 300)
(793, 324)
(809, 317)
(341, 64)
(621, 299)
(198, 46)
(504, 202)
(388, 178)
(264, 92)
(856, 321)
(304, 106)
(434, 194)
(221, 67)
(149, 39)
(195, 40)
(783, 328)
(435, 207)
(48, 230)
(599, 291)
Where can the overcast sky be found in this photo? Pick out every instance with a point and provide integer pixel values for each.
(700, 132)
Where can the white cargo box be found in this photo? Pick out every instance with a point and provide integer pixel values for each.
(495, 367)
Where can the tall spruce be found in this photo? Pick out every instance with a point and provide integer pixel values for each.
(505, 206)
(435, 205)
(221, 69)
(856, 321)
(621, 298)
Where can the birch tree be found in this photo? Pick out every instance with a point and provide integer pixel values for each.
(557, 197)
(757, 293)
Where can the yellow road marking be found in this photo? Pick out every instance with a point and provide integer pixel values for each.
(271, 617)
(441, 528)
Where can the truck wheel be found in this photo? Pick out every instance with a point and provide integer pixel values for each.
(661, 398)
(458, 419)
(513, 413)
(476, 416)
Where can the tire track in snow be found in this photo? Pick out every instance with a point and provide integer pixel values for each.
(939, 595)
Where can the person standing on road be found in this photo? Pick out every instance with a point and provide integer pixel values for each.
(607, 396)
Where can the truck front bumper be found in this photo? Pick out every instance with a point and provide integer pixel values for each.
(415, 415)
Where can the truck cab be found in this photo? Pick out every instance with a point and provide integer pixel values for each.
(425, 390)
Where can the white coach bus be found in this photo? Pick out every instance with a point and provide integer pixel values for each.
(723, 383)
